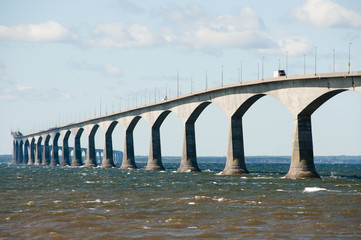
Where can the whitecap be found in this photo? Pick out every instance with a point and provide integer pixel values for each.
(192, 227)
(200, 197)
(314, 189)
(219, 199)
(94, 201)
(208, 170)
(57, 201)
(280, 190)
(30, 203)
(145, 227)
(191, 203)
(89, 182)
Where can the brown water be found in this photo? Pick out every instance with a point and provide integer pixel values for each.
(39, 202)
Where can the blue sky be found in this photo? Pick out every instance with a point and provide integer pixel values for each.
(63, 61)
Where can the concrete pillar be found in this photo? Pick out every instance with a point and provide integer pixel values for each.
(91, 160)
(128, 157)
(26, 153)
(155, 155)
(20, 153)
(77, 159)
(65, 156)
(108, 161)
(55, 153)
(189, 154)
(235, 154)
(46, 152)
(32, 153)
(15, 151)
(38, 152)
(302, 165)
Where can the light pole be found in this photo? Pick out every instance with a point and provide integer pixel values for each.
(286, 63)
(241, 71)
(262, 67)
(304, 63)
(177, 83)
(222, 77)
(206, 79)
(315, 60)
(349, 57)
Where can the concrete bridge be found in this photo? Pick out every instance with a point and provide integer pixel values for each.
(301, 94)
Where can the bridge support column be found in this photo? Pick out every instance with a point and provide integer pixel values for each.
(26, 153)
(90, 160)
(15, 151)
(302, 165)
(77, 159)
(32, 154)
(155, 155)
(189, 154)
(55, 154)
(38, 153)
(108, 161)
(46, 153)
(20, 153)
(65, 156)
(128, 157)
(235, 154)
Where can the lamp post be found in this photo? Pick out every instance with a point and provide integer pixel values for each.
(315, 60)
(349, 57)
(222, 77)
(333, 63)
(241, 71)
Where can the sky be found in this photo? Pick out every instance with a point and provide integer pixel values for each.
(65, 61)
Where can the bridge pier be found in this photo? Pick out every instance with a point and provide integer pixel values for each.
(108, 161)
(189, 153)
(235, 154)
(20, 153)
(90, 160)
(128, 157)
(32, 153)
(77, 159)
(155, 154)
(46, 152)
(302, 164)
(26, 153)
(38, 153)
(13, 160)
(55, 154)
(65, 156)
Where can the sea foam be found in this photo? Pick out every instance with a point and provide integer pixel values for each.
(314, 189)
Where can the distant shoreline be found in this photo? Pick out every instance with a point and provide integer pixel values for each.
(249, 159)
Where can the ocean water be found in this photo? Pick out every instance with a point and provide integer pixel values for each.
(44, 202)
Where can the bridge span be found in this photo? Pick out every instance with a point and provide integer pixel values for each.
(301, 94)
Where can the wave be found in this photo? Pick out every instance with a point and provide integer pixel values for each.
(314, 189)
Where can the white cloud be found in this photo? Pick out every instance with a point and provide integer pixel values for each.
(119, 35)
(4, 78)
(194, 29)
(112, 70)
(106, 70)
(45, 32)
(292, 45)
(326, 13)
(27, 93)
